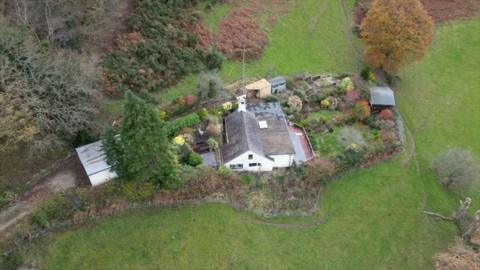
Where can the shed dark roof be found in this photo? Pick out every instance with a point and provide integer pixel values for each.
(382, 96)
(278, 80)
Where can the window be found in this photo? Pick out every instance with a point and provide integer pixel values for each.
(254, 164)
(250, 157)
(236, 166)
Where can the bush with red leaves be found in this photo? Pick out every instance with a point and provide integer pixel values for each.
(203, 34)
(240, 31)
(351, 97)
(191, 100)
(387, 114)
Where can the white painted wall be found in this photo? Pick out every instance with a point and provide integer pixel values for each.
(282, 161)
(266, 164)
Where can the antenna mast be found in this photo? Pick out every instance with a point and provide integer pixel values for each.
(243, 67)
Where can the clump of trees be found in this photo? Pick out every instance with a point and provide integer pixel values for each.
(166, 51)
(241, 35)
(396, 32)
(209, 85)
(141, 151)
(457, 170)
(44, 98)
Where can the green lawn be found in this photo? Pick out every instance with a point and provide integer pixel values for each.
(375, 219)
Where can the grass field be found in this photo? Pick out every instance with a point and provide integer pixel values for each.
(374, 215)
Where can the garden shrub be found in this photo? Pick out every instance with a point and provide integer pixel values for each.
(224, 171)
(387, 114)
(291, 84)
(214, 60)
(134, 191)
(301, 95)
(173, 127)
(352, 156)
(202, 113)
(163, 115)
(57, 209)
(209, 85)
(11, 260)
(372, 122)
(258, 200)
(362, 110)
(366, 74)
(191, 100)
(247, 178)
(351, 98)
(347, 84)
(295, 103)
(271, 99)
(194, 159)
(40, 219)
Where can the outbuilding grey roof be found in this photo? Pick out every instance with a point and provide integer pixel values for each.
(278, 80)
(93, 158)
(383, 96)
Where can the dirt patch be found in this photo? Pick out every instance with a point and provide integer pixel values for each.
(440, 10)
(446, 10)
(68, 175)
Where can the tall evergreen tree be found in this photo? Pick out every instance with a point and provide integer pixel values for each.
(396, 32)
(141, 151)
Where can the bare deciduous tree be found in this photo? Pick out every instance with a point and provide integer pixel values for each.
(458, 170)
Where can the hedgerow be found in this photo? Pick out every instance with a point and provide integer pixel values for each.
(176, 126)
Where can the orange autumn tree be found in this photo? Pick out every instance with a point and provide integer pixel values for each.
(396, 32)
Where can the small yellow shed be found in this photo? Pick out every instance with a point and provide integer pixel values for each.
(259, 89)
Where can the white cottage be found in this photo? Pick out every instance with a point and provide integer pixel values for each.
(258, 139)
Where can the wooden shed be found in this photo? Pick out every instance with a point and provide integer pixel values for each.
(381, 98)
(259, 89)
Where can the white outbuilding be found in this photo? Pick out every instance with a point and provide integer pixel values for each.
(94, 161)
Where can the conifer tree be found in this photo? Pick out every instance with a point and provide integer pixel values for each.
(396, 32)
(141, 151)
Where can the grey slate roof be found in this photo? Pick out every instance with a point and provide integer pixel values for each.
(383, 96)
(244, 134)
(241, 129)
(267, 109)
